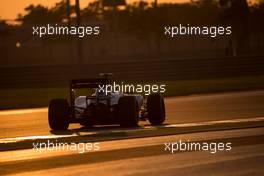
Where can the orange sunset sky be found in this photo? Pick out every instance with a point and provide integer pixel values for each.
(10, 8)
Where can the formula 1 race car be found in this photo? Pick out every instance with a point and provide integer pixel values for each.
(99, 108)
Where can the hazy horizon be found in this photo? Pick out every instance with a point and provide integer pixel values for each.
(10, 12)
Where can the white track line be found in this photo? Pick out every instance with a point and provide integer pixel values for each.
(22, 111)
(17, 139)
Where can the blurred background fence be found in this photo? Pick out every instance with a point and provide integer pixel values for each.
(151, 70)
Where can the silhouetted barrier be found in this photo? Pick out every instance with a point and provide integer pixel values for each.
(155, 70)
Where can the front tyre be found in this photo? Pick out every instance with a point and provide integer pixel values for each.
(59, 114)
(156, 109)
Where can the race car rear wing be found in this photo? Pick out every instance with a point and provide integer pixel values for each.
(84, 83)
(88, 83)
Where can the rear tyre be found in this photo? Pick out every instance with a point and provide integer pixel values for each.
(156, 109)
(59, 112)
(128, 111)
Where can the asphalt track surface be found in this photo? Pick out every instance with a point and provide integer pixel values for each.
(195, 108)
(147, 156)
